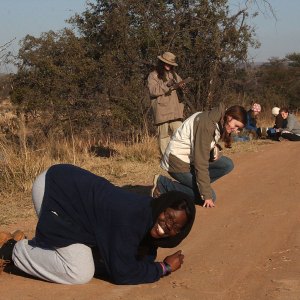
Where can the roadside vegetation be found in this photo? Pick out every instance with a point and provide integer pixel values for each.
(93, 77)
(131, 164)
(79, 95)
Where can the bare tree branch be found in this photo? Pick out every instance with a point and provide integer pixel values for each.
(267, 7)
(4, 48)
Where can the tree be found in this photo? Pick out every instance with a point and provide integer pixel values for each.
(5, 79)
(276, 83)
(115, 46)
(52, 67)
(56, 75)
(128, 35)
(4, 53)
(294, 59)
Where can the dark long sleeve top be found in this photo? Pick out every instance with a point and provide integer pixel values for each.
(280, 122)
(251, 122)
(80, 207)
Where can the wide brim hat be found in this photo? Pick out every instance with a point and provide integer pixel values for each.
(168, 58)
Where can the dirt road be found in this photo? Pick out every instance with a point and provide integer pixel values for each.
(248, 247)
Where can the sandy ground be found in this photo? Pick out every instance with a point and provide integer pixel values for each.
(248, 247)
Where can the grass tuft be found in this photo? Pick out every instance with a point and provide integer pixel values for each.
(126, 164)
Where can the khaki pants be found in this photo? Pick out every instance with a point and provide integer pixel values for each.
(164, 135)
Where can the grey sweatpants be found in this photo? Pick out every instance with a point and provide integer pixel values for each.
(73, 264)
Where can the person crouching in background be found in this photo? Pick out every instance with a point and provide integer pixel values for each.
(251, 127)
(280, 123)
(292, 130)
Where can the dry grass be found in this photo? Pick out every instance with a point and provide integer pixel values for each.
(19, 166)
(250, 146)
(128, 164)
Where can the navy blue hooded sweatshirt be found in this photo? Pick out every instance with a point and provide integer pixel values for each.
(81, 207)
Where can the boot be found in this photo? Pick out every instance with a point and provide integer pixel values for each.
(7, 243)
(6, 254)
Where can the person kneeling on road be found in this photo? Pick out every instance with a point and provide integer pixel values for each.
(193, 157)
(79, 211)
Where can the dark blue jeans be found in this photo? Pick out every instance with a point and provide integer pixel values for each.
(186, 182)
(291, 136)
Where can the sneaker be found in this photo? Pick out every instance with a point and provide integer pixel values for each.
(155, 191)
(7, 249)
(3, 264)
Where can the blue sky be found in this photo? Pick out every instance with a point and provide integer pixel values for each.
(21, 17)
(278, 37)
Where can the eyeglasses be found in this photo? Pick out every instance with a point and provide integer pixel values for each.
(170, 222)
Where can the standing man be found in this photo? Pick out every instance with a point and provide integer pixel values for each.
(167, 110)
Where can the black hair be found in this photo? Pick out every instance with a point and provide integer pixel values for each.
(284, 109)
(161, 72)
(181, 204)
(178, 201)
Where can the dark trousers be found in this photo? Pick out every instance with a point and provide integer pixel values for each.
(186, 182)
(291, 136)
